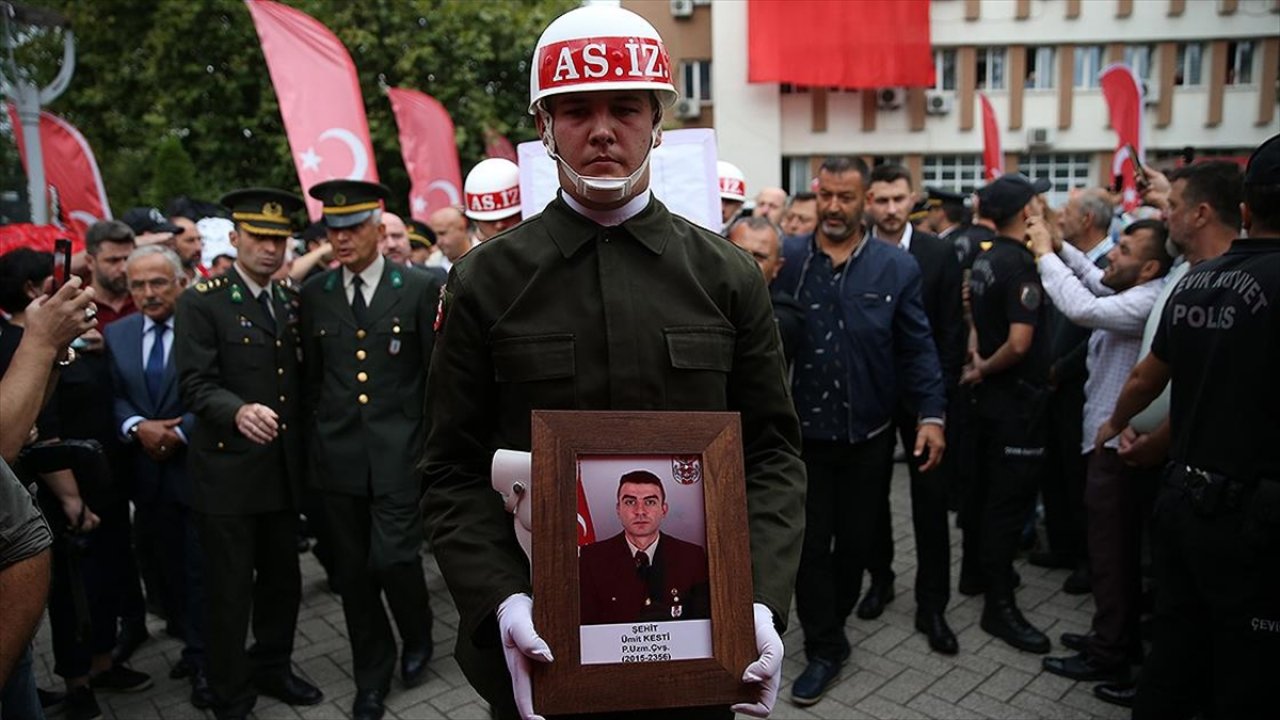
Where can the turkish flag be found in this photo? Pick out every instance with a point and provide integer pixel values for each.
(992, 154)
(319, 95)
(496, 145)
(586, 530)
(1123, 92)
(430, 151)
(70, 171)
(838, 43)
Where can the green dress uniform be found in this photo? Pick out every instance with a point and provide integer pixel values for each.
(365, 385)
(230, 351)
(563, 313)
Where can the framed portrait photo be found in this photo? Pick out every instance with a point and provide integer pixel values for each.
(641, 561)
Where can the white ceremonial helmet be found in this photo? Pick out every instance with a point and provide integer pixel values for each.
(492, 190)
(733, 184)
(596, 49)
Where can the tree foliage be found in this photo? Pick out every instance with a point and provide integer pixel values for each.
(159, 79)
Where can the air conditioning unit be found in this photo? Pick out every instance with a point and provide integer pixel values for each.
(1150, 95)
(890, 98)
(938, 102)
(1039, 137)
(681, 8)
(688, 108)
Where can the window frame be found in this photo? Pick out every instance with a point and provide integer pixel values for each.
(1182, 65)
(1087, 76)
(1043, 80)
(701, 68)
(968, 173)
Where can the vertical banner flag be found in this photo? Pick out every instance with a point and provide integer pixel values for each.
(893, 47)
(1123, 92)
(429, 149)
(75, 185)
(992, 153)
(496, 145)
(319, 95)
(586, 530)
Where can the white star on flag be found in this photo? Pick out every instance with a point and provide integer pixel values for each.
(419, 204)
(310, 160)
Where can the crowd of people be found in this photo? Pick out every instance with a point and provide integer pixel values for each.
(191, 415)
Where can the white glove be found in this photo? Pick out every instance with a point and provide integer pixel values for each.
(511, 475)
(767, 670)
(520, 642)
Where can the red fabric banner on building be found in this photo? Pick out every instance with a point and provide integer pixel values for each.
(840, 43)
(319, 95)
(1123, 92)
(992, 153)
(430, 151)
(77, 198)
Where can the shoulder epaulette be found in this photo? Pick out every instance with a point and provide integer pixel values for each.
(208, 286)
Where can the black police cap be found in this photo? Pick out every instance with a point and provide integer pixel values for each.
(421, 234)
(263, 211)
(939, 197)
(920, 210)
(1005, 196)
(148, 220)
(349, 202)
(1264, 164)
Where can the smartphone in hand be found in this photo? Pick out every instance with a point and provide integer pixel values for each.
(1139, 173)
(61, 262)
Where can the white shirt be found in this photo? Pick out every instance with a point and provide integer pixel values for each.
(148, 342)
(904, 243)
(653, 548)
(610, 218)
(369, 277)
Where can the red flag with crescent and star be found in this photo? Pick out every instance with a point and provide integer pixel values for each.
(75, 191)
(1123, 92)
(992, 154)
(429, 149)
(319, 95)
(586, 530)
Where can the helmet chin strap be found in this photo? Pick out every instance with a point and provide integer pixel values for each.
(597, 189)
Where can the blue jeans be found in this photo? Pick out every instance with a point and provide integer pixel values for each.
(18, 699)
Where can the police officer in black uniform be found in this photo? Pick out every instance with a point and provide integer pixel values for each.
(237, 356)
(1216, 526)
(1009, 374)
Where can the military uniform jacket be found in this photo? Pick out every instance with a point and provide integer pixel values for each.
(613, 590)
(229, 352)
(365, 385)
(562, 313)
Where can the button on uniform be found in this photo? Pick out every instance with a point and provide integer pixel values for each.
(362, 376)
(363, 399)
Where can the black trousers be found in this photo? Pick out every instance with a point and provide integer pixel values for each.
(1009, 444)
(362, 528)
(847, 484)
(1217, 633)
(170, 526)
(1063, 478)
(928, 520)
(1113, 500)
(251, 569)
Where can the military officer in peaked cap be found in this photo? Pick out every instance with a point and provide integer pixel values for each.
(238, 360)
(367, 332)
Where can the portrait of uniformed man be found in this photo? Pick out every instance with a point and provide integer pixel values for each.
(642, 574)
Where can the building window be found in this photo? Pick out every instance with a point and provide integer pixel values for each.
(958, 173)
(1064, 170)
(1040, 68)
(1186, 70)
(944, 68)
(990, 68)
(1240, 63)
(696, 75)
(1088, 59)
(1139, 57)
(796, 175)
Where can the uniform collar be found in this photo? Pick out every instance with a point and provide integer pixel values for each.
(609, 218)
(254, 288)
(570, 230)
(650, 551)
(369, 276)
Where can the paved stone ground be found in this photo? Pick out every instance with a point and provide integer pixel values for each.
(892, 673)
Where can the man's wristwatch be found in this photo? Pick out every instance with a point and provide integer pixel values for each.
(133, 430)
(68, 357)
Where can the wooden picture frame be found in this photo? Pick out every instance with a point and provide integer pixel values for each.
(560, 439)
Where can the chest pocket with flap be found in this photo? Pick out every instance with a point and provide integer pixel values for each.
(700, 348)
(538, 370)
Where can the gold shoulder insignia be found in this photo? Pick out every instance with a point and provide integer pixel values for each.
(206, 286)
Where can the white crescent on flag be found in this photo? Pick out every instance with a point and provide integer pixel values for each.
(359, 158)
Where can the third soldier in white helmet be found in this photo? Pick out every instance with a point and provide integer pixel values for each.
(603, 301)
(733, 192)
(492, 193)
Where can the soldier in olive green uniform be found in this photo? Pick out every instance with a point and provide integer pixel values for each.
(237, 354)
(368, 336)
(605, 301)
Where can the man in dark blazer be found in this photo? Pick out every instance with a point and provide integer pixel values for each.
(940, 280)
(156, 429)
(238, 359)
(642, 574)
(367, 329)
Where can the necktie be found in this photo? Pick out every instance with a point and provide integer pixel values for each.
(264, 299)
(358, 308)
(642, 563)
(153, 373)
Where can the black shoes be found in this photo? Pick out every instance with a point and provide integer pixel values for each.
(1083, 666)
(873, 603)
(369, 705)
(413, 665)
(1051, 560)
(120, 679)
(1078, 582)
(1002, 618)
(814, 681)
(202, 697)
(1122, 694)
(132, 636)
(289, 689)
(934, 626)
(1075, 641)
(81, 704)
(976, 584)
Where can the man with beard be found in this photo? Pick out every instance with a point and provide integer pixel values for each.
(107, 247)
(189, 244)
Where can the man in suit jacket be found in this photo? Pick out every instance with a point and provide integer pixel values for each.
(367, 329)
(157, 428)
(940, 278)
(642, 574)
(238, 359)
